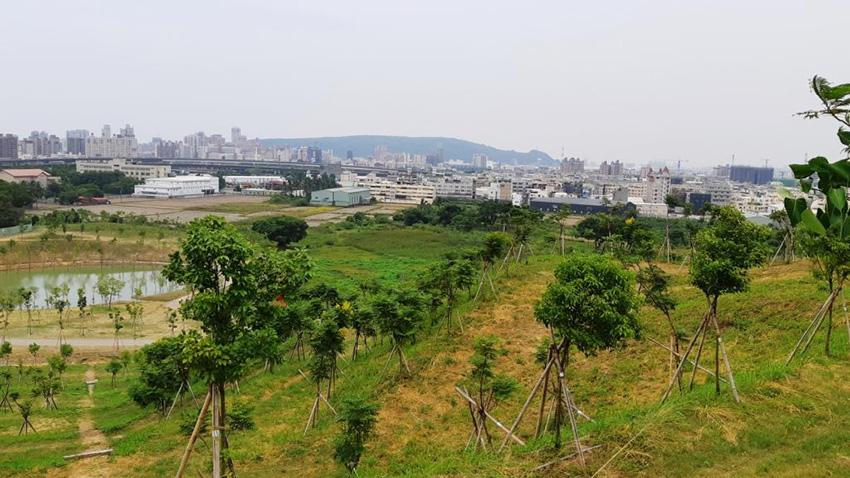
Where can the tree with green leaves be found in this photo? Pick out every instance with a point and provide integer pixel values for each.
(5, 387)
(66, 350)
(108, 288)
(488, 389)
(496, 244)
(27, 295)
(113, 367)
(398, 313)
(358, 417)
(58, 299)
(5, 352)
(9, 301)
(163, 374)
(560, 218)
(235, 284)
(46, 384)
(25, 409)
(33, 349)
(327, 343)
(724, 252)
(283, 230)
(788, 245)
(58, 364)
(654, 284)
(591, 306)
(82, 304)
(135, 311)
(445, 280)
(826, 232)
(363, 322)
(117, 325)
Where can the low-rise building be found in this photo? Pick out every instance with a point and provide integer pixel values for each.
(387, 191)
(581, 206)
(18, 176)
(178, 186)
(349, 196)
(128, 168)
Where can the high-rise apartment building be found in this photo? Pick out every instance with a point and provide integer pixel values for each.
(123, 145)
(611, 169)
(8, 146)
(572, 166)
(751, 174)
(75, 141)
(167, 149)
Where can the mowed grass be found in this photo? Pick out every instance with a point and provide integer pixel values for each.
(791, 422)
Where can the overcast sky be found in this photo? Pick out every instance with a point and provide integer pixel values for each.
(631, 80)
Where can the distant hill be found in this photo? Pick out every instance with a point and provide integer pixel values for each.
(453, 148)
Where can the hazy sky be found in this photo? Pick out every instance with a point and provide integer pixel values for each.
(631, 80)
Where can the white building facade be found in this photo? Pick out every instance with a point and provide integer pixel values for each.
(133, 170)
(178, 186)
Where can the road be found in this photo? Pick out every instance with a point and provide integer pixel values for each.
(80, 342)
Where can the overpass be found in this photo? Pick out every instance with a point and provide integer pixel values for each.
(193, 165)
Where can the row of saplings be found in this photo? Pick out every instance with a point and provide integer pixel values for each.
(254, 308)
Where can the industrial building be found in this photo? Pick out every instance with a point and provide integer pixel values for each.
(350, 196)
(133, 170)
(577, 205)
(178, 186)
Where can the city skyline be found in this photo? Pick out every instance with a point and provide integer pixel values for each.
(632, 82)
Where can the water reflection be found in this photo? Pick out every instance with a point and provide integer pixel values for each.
(144, 279)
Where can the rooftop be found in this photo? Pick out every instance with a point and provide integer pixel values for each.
(25, 173)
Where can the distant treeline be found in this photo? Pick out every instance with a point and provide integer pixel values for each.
(467, 215)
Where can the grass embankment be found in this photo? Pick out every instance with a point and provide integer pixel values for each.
(792, 421)
(97, 243)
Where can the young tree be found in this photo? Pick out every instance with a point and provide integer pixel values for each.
(326, 342)
(358, 417)
(58, 299)
(5, 352)
(6, 379)
(135, 311)
(9, 301)
(57, 364)
(283, 230)
(33, 349)
(398, 313)
(117, 324)
(235, 284)
(363, 322)
(27, 295)
(591, 306)
(108, 288)
(25, 409)
(113, 367)
(488, 389)
(560, 217)
(445, 279)
(788, 245)
(163, 374)
(495, 245)
(724, 252)
(654, 283)
(82, 303)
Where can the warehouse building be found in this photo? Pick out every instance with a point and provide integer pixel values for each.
(350, 196)
(178, 186)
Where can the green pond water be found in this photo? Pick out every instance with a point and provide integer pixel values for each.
(147, 278)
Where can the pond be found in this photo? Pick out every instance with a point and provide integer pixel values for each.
(146, 278)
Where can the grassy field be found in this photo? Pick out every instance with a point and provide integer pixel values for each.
(791, 422)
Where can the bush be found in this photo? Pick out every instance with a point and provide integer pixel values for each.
(283, 230)
(240, 417)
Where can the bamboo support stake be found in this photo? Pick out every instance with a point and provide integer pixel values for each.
(195, 432)
(490, 417)
(815, 321)
(684, 358)
(543, 376)
(679, 356)
(697, 357)
(731, 376)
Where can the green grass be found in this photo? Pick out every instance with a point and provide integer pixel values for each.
(791, 422)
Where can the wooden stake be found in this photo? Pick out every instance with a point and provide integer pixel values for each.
(195, 432)
(684, 358)
(696, 359)
(811, 329)
(543, 379)
(679, 355)
(728, 365)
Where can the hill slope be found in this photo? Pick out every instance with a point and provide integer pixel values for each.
(792, 421)
(452, 148)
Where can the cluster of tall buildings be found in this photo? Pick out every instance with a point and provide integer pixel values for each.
(78, 142)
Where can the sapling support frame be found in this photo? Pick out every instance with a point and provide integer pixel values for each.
(809, 334)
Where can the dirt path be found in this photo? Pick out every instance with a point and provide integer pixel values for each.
(91, 439)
